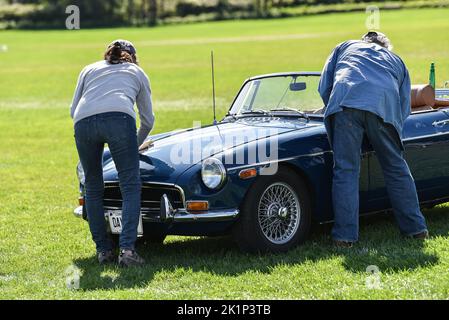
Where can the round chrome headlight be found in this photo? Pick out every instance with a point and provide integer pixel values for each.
(213, 173)
(80, 173)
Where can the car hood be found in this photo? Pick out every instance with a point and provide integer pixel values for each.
(174, 152)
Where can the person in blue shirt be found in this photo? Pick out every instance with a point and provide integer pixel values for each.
(366, 91)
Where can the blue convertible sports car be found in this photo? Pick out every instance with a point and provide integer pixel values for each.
(263, 173)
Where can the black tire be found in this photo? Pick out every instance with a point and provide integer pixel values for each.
(248, 231)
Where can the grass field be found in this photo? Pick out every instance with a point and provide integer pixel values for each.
(40, 239)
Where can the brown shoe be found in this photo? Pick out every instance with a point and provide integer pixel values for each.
(343, 244)
(422, 235)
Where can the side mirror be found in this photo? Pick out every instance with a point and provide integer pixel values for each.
(297, 86)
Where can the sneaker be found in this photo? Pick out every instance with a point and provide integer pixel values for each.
(129, 258)
(343, 244)
(106, 257)
(422, 235)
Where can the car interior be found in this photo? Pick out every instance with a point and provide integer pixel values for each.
(423, 99)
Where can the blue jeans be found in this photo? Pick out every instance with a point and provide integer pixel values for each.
(348, 128)
(118, 130)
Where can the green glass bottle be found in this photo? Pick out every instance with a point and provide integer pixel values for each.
(432, 75)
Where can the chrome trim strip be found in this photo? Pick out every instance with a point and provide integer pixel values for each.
(438, 201)
(286, 74)
(279, 160)
(150, 201)
(142, 210)
(438, 134)
(142, 201)
(389, 210)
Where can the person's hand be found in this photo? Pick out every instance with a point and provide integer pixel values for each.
(146, 145)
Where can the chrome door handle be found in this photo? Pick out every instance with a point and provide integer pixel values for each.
(440, 123)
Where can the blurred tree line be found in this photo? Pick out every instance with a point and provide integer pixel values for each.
(97, 13)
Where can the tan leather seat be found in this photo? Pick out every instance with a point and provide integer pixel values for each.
(422, 97)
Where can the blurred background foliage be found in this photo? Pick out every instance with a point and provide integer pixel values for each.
(45, 14)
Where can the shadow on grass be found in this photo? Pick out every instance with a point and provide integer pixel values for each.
(380, 245)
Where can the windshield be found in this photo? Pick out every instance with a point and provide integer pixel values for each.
(279, 93)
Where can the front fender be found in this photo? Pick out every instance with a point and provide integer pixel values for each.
(230, 194)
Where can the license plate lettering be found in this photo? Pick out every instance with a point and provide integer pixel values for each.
(115, 222)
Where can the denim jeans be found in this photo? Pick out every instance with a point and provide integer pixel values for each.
(118, 130)
(348, 128)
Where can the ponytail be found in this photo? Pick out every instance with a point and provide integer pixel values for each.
(114, 54)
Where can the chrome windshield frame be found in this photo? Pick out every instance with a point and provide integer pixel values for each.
(272, 75)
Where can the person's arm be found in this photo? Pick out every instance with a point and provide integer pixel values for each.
(78, 92)
(327, 76)
(145, 107)
(405, 95)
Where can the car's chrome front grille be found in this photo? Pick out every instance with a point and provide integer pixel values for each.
(151, 196)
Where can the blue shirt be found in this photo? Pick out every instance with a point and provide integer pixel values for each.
(368, 77)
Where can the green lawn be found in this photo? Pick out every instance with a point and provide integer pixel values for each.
(40, 239)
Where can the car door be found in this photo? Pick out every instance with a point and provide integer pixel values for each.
(426, 142)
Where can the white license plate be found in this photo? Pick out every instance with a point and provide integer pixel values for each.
(115, 221)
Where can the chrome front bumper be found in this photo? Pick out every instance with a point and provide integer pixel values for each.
(209, 216)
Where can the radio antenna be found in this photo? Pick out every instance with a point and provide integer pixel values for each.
(213, 84)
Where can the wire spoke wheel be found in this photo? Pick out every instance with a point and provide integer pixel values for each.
(279, 213)
(275, 214)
